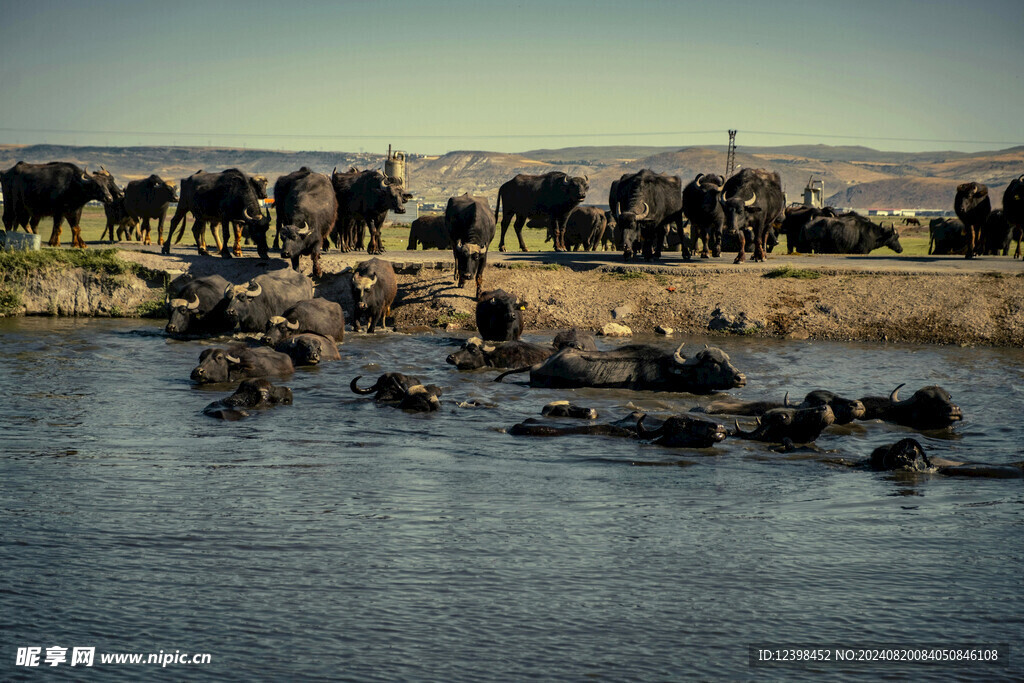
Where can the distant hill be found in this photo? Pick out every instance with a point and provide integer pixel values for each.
(854, 176)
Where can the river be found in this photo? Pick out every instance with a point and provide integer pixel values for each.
(335, 539)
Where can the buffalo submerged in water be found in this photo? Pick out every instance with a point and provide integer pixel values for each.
(637, 366)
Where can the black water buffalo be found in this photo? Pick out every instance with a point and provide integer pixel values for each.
(1013, 209)
(118, 220)
(907, 455)
(912, 221)
(575, 339)
(364, 199)
(471, 226)
(57, 189)
(610, 238)
(636, 366)
(946, 236)
(306, 214)
(702, 208)
(531, 426)
(430, 232)
(224, 198)
(374, 288)
(972, 206)
(798, 216)
(10, 221)
(317, 315)
(147, 199)
(683, 431)
(476, 354)
(929, 408)
(585, 227)
(251, 394)
(647, 203)
(848, 234)
(240, 362)
(795, 425)
(752, 198)
(566, 409)
(309, 348)
(845, 410)
(403, 391)
(251, 305)
(553, 194)
(997, 234)
(199, 308)
(499, 316)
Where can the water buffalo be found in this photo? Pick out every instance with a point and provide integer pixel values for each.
(199, 308)
(364, 199)
(946, 236)
(57, 189)
(147, 199)
(574, 338)
(610, 238)
(430, 232)
(374, 288)
(702, 208)
(534, 427)
(972, 206)
(796, 425)
(403, 391)
(912, 221)
(252, 394)
(306, 214)
(317, 315)
(798, 216)
(253, 304)
(118, 220)
(471, 226)
(848, 234)
(1013, 209)
(499, 316)
(585, 227)
(309, 348)
(845, 410)
(553, 194)
(929, 408)
(240, 362)
(224, 198)
(566, 409)
(752, 198)
(997, 234)
(683, 431)
(647, 203)
(907, 455)
(636, 366)
(476, 354)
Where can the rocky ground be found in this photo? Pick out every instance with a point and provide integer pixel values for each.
(939, 301)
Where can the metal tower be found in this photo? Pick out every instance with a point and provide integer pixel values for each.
(730, 160)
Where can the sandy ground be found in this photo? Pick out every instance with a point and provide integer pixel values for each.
(947, 300)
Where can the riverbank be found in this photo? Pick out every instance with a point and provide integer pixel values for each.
(938, 301)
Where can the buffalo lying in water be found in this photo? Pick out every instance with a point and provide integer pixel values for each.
(845, 410)
(929, 408)
(636, 366)
(252, 394)
(566, 409)
(476, 354)
(907, 455)
(239, 362)
(683, 431)
(309, 348)
(402, 391)
(795, 425)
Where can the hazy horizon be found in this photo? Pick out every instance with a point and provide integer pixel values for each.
(431, 78)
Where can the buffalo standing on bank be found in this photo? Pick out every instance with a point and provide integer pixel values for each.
(553, 195)
(752, 198)
(57, 189)
(147, 199)
(847, 234)
(429, 232)
(471, 227)
(972, 206)
(646, 204)
(374, 288)
(702, 208)
(306, 213)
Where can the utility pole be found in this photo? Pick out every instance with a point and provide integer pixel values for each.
(730, 160)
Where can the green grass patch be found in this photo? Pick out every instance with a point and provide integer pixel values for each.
(790, 271)
(456, 318)
(21, 263)
(10, 301)
(628, 275)
(151, 309)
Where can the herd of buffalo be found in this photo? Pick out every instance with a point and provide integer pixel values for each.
(288, 326)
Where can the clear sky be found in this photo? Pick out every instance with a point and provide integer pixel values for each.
(436, 76)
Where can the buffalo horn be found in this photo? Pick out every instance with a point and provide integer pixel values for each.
(893, 396)
(277, 319)
(697, 179)
(335, 171)
(643, 214)
(753, 198)
(232, 359)
(678, 356)
(194, 304)
(357, 390)
(305, 229)
(177, 303)
(259, 214)
(292, 325)
(643, 433)
(254, 289)
(384, 181)
(740, 432)
(586, 179)
(785, 400)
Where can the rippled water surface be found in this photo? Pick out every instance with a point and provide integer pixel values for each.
(339, 540)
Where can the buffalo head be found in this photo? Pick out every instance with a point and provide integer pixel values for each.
(97, 186)
(576, 187)
(279, 328)
(906, 455)
(182, 312)
(105, 180)
(296, 240)
(707, 371)
(468, 260)
(471, 356)
(240, 297)
(739, 211)
(215, 365)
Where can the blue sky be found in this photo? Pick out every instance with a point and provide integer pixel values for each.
(432, 77)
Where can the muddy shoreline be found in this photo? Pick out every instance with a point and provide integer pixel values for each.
(831, 300)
